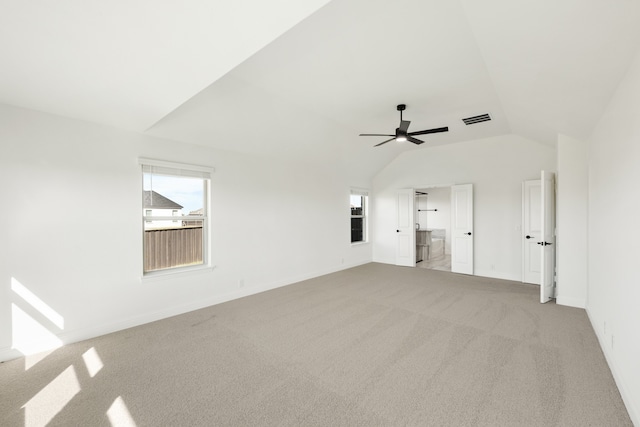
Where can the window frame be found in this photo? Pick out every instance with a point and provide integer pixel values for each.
(166, 168)
(364, 216)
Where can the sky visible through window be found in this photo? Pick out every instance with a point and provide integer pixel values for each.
(185, 191)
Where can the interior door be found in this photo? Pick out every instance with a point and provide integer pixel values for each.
(531, 231)
(548, 242)
(406, 229)
(462, 229)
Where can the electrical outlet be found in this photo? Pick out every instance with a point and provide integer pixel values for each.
(241, 283)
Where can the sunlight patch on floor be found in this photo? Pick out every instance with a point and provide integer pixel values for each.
(92, 361)
(49, 401)
(119, 415)
(30, 360)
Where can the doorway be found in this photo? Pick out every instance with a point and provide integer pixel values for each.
(433, 228)
(538, 244)
(413, 240)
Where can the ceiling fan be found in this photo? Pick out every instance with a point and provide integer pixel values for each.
(402, 135)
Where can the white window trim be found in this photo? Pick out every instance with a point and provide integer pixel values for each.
(359, 192)
(162, 167)
(176, 271)
(176, 167)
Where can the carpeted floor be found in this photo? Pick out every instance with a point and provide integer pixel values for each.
(375, 345)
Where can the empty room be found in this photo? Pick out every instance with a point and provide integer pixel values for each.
(319, 212)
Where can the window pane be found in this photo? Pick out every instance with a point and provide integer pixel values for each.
(357, 204)
(170, 240)
(184, 194)
(177, 246)
(357, 229)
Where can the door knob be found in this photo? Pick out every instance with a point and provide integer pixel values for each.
(397, 231)
(468, 234)
(528, 237)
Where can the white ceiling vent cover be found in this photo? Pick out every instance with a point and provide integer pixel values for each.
(477, 119)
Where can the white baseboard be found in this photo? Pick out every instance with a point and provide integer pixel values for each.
(633, 407)
(571, 302)
(73, 336)
(492, 274)
(7, 353)
(497, 275)
(384, 260)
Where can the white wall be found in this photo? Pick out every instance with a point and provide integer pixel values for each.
(496, 167)
(71, 228)
(571, 222)
(613, 298)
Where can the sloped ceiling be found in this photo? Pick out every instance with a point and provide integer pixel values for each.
(301, 79)
(129, 63)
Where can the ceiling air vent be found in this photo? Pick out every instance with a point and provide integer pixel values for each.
(477, 119)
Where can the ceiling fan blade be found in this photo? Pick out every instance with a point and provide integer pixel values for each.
(414, 140)
(404, 125)
(384, 142)
(375, 134)
(424, 132)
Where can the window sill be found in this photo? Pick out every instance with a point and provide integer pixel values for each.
(173, 272)
(359, 243)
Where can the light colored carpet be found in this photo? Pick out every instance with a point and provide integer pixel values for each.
(375, 345)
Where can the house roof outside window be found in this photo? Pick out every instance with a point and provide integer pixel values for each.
(154, 200)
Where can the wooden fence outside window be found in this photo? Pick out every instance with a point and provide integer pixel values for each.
(172, 247)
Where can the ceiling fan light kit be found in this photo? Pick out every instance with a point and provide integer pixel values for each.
(402, 135)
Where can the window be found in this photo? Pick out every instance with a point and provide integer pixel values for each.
(359, 200)
(169, 191)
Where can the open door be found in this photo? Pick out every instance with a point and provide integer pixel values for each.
(462, 229)
(406, 229)
(548, 238)
(531, 231)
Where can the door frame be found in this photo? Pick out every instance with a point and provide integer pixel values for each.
(426, 187)
(548, 238)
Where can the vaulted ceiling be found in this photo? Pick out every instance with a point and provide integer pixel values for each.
(301, 79)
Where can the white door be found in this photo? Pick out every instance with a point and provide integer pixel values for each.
(406, 229)
(462, 229)
(531, 231)
(548, 241)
